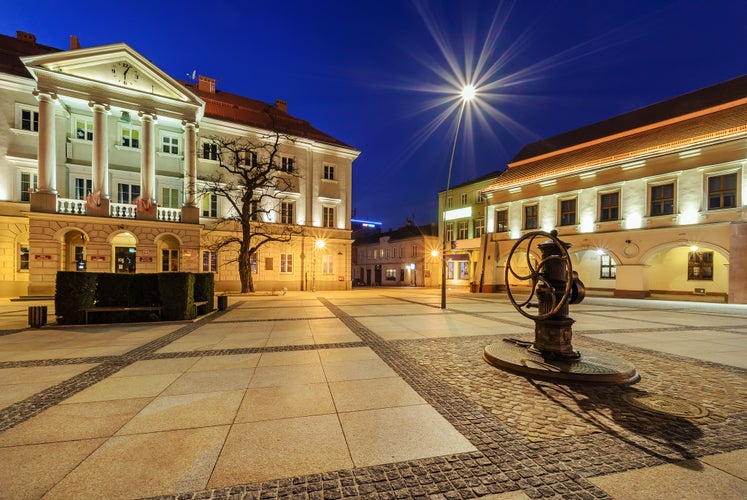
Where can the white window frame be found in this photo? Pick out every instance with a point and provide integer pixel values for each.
(33, 185)
(287, 164)
(284, 216)
(329, 172)
(212, 210)
(87, 121)
(87, 185)
(209, 261)
(21, 252)
(170, 137)
(329, 216)
(33, 110)
(478, 228)
(286, 263)
(126, 131)
(211, 145)
(170, 197)
(463, 199)
(328, 264)
(130, 191)
(463, 229)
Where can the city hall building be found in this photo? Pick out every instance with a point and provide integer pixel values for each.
(102, 155)
(652, 201)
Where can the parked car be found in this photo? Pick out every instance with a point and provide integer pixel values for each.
(358, 282)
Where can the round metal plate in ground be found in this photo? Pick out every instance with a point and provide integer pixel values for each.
(592, 367)
(668, 405)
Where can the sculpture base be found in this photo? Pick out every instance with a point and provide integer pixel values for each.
(592, 366)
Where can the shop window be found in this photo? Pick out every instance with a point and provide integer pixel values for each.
(607, 269)
(391, 275)
(209, 262)
(700, 266)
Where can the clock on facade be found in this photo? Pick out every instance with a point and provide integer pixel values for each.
(124, 73)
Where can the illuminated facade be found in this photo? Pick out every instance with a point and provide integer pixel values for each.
(101, 160)
(463, 225)
(652, 201)
(399, 257)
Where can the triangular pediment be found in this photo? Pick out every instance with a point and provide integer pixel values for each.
(115, 66)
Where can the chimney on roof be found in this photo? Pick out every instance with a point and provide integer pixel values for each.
(26, 37)
(281, 105)
(74, 43)
(206, 84)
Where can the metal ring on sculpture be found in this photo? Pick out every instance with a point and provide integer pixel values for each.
(535, 275)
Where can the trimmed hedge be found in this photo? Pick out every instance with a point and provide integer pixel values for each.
(176, 293)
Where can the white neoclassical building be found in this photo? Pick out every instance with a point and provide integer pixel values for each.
(101, 159)
(652, 201)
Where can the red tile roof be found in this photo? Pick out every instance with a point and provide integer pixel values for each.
(619, 139)
(220, 105)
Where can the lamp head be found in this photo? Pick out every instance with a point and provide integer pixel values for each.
(468, 92)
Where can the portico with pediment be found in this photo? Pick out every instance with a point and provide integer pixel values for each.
(105, 88)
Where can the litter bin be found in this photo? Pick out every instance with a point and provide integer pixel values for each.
(222, 302)
(37, 316)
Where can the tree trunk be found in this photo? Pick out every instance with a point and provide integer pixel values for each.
(245, 268)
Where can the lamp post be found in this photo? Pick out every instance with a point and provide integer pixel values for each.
(468, 93)
(319, 244)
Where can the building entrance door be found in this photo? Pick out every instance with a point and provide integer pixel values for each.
(124, 259)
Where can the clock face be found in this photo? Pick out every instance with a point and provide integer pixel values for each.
(123, 73)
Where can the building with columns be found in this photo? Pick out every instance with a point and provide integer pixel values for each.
(652, 201)
(101, 159)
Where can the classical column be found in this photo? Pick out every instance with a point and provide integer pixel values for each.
(100, 156)
(148, 166)
(190, 162)
(46, 155)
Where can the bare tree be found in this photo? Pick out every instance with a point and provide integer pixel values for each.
(252, 177)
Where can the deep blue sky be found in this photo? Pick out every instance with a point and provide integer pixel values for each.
(358, 69)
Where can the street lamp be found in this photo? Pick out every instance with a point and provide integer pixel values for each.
(319, 244)
(467, 94)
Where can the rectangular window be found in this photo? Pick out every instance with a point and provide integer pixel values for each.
(209, 262)
(287, 212)
(662, 199)
(568, 212)
(329, 172)
(169, 260)
(23, 257)
(286, 263)
(127, 193)
(449, 201)
(30, 120)
(328, 264)
(414, 252)
(170, 198)
(250, 159)
(700, 266)
(450, 231)
(170, 144)
(609, 206)
(287, 164)
(464, 199)
(130, 136)
(210, 205)
(607, 269)
(29, 183)
(401, 252)
(531, 218)
(722, 191)
(463, 230)
(84, 129)
(501, 221)
(479, 227)
(82, 188)
(328, 216)
(479, 197)
(391, 275)
(209, 151)
(255, 211)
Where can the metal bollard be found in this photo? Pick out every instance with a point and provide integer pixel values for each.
(222, 302)
(37, 316)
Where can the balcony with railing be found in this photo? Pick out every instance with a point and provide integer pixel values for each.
(116, 210)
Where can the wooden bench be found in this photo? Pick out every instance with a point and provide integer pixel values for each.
(89, 310)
